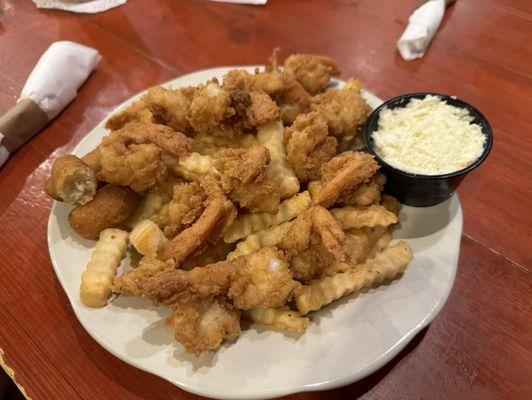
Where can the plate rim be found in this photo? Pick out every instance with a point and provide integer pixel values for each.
(344, 380)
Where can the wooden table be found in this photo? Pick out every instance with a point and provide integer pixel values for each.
(479, 347)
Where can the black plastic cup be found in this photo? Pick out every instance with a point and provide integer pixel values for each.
(417, 189)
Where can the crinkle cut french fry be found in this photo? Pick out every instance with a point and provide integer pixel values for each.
(190, 167)
(380, 245)
(147, 238)
(387, 264)
(247, 224)
(279, 318)
(267, 237)
(97, 279)
(149, 205)
(270, 135)
(363, 216)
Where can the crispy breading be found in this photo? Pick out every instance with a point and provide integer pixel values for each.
(246, 180)
(187, 204)
(308, 145)
(391, 204)
(311, 70)
(344, 172)
(262, 280)
(181, 246)
(293, 100)
(162, 106)
(109, 208)
(359, 243)
(160, 282)
(132, 282)
(344, 109)
(270, 82)
(131, 156)
(71, 180)
(210, 106)
(314, 240)
(205, 324)
(262, 108)
(364, 194)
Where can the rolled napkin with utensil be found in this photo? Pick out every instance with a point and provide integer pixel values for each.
(422, 26)
(52, 84)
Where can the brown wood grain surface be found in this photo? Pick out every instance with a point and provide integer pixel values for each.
(480, 345)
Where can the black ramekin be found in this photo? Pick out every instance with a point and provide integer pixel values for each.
(416, 189)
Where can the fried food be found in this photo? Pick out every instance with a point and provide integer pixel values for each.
(342, 173)
(71, 181)
(97, 279)
(244, 199)
(152, 202)
(271, 136)
(204, 324)
(262, 280)
(111, 206)
(279, 318)
(210, 106)
(363, 216)
(314, 241)
(312, 71)
(271, 236)
(148, 239)
(388, 264)
(191, 167)
(293, 100)
(344, 109)
(159, 105)
(249, 223)
(246, 179)
(180, 247)
(131, 156)
(308, 145)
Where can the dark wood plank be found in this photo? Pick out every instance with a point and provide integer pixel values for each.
(25, 363)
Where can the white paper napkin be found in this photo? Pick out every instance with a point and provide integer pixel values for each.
(61, 70)
(79, 6)
(422, 26)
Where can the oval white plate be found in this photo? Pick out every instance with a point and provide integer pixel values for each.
(345, 341)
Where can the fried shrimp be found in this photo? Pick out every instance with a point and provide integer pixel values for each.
(308, 145)
(311, 70)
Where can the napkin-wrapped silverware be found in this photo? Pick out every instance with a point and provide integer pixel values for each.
(52, 84)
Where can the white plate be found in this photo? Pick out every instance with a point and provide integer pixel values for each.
(345, 341)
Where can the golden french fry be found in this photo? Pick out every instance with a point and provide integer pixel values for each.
(162, 218)
(387, 264)
(279, 318)
(380, 245)
(97, 279)
(249, 223)
(363, 216)
(190, 167)
(266, 237)
(271, 135)
(150, 205)
(147, 238)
